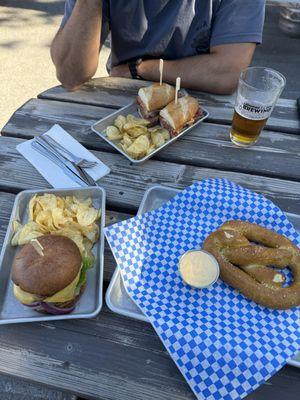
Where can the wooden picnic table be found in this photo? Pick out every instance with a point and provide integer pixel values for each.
(112, 356)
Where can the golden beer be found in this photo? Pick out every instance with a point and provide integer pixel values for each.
(244, 131)
(258, 91)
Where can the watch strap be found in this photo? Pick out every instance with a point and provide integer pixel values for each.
(132, 65)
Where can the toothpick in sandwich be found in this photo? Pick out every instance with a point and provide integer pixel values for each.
(161, 69)
(177, 88)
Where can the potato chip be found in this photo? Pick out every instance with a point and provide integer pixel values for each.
(133, 125)
(73, 235)
(37, 210)
(91, 232)
(69, 216)
(68, 201)
(120, 121)
(87, 202)
(86, 215)
(60, 203)
(151, 149)
(16, 225)
(157, 139)
(47, 201)
(113, 133)
(88, 245)
(59, 218)
(31, 207)
(127, 141)
(139, 147)
(130, 118)
(44, 220)
(165, 133)
(128, 128)
(134, 131)
(137, 121)
(26, 233)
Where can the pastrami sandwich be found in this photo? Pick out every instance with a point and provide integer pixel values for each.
(152, 99)
(52, 280)
(175, 116)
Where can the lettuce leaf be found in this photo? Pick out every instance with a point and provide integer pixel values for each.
(87, 263)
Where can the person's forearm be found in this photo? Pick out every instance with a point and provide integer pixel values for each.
(198, 73)
(214, 73)
(75, 49)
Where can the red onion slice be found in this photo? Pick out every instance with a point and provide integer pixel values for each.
(52, 309)
(32, 305)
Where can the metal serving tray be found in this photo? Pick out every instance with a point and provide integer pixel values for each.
(117, 298)
(90, 303)
(100, 126)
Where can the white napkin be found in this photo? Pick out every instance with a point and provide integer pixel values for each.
(50, 171)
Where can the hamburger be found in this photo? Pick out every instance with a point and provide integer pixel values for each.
(152, 99)
(50, 280)
(175, 116)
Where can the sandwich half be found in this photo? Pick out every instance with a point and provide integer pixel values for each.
(175, 116)
(152, 99)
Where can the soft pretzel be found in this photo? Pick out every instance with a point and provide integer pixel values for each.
(244, 264)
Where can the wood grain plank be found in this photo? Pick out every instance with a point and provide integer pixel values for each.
(89, 365)
(127, 183)
(276, 154)
(6, 205)
(117, 92)
(13, 388)
(111, 357)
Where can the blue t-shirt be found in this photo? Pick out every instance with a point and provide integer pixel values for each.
(172, 29)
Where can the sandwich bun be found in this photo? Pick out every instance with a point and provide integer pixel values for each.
(156, 96)
(44, 276)
(176, 115)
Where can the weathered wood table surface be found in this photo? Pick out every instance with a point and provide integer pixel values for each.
(114, 357)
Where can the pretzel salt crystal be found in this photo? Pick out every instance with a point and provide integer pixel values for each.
(244, 265)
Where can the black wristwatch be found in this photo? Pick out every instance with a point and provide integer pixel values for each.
(133, 68)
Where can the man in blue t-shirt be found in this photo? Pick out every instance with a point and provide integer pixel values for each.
(205, 42)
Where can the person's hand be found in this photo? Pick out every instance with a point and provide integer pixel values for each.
(121, 71)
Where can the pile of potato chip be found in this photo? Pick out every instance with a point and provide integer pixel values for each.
(65, 216)
(134, 138)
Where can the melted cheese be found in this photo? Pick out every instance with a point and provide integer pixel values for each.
(66, 294)
(198, 269)
(24, 297)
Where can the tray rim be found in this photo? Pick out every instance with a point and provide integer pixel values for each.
(47, 317)
(117, 272)
(142, 160)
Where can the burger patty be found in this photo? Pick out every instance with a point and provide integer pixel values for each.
(165, 124)
(151, 116)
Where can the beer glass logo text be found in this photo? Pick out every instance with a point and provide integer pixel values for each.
(256, 109)
(253, 111)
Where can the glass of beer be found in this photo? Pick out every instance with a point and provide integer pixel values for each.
(258, 91)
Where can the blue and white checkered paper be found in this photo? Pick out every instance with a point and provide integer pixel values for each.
(224, 345)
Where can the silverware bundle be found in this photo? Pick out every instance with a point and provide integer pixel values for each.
(71, 165)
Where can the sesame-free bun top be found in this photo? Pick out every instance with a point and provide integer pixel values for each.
(48, 274)
(179, 114)
(156, 96)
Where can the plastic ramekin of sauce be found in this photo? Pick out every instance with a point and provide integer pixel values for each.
(199, 269)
